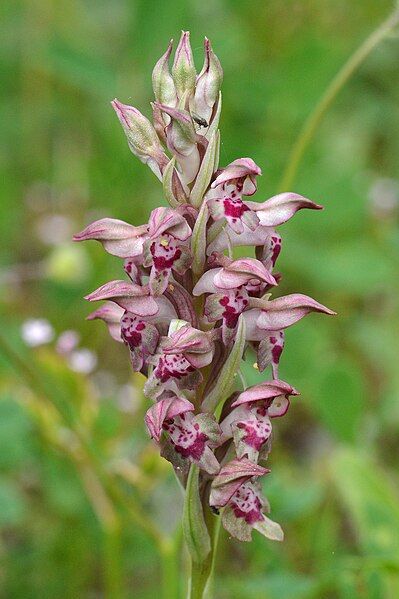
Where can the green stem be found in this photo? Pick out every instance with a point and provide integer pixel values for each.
(330, 94)
(215, 542)
(200, 573)
(201, 581)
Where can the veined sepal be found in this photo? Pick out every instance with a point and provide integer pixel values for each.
(183, 69)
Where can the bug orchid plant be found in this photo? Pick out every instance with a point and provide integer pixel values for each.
(187, 308)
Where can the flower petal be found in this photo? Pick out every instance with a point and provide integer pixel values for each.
(242, 271)
(270, 350)
(279, 407)
(142, 137)
(129, 296)
(257, 237)
(206, 284)
(208, 83)
(252, 433)
(167, 220)
(196, 346)
(265, 391)
(230, 478)
(280, 208)
(165, 409)
(287, 310)
(117, 237)
(238, 169)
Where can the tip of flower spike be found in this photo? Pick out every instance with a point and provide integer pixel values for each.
(116, 104)
(122, 110)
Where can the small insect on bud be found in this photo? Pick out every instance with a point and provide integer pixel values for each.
(215, 510)
(201, 122)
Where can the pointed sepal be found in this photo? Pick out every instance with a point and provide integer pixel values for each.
(142, 137)
(280, 208)
(230, 478)
(162, 80)
(183, 70)
(129, 296)
(208, 83)
(117, 237)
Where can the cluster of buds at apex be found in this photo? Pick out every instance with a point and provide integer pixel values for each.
(187, 308)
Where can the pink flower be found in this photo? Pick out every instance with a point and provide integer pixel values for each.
(232, 182)
(236, 487)
(164, 251)
(192, 436)
(248, 422)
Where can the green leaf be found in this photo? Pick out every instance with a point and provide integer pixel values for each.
(215, 122)
(194, 527)
(168, 183)
(205, 173)
(198, 240)
(225, 381)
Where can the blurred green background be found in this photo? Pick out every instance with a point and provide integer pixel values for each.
(79, 479)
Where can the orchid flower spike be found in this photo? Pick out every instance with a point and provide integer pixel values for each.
(188, 307)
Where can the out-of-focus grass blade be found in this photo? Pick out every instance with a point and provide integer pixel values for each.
(372, 506)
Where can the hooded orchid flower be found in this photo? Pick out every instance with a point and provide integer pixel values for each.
(237, 490)
(249, 422)
(192, 436)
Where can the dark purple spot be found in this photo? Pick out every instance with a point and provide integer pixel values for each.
(224, 301)
(251, 437)
(250, 517)
(234, 208)
(195, 450)
(276, 353)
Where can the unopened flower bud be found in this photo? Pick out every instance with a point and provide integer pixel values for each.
(209, 82)
(142, 137)
(162, 81)
(183, 71)
(181, 140)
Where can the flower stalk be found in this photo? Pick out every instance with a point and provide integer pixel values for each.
(187, 310)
